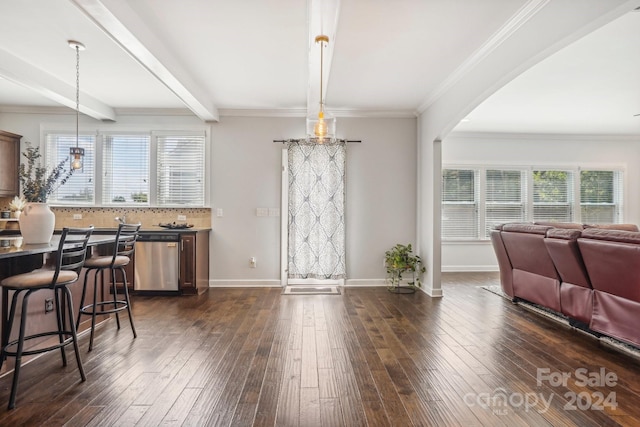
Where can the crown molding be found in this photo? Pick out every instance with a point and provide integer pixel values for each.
(225, 112)
(526, 12)
(544, 136)
(301, 112)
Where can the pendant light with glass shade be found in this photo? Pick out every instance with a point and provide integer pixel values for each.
(77, 152)
(324, 128)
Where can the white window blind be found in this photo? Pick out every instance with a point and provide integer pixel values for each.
(125, 160)
(460, 204)
(180, 170)
(553, 195)
(79, 189)
(505, 197)
(600, 196)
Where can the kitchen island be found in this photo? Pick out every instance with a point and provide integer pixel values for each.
(18, 258)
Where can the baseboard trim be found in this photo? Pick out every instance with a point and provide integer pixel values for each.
(468, 268)
(243, 283)
(365, 282)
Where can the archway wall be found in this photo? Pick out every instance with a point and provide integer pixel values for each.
(539, 29)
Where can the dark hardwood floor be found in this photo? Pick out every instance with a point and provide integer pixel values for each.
(254, 357)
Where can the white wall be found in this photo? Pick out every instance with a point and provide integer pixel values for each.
(245, 174)
(246, 171)
(534, 150)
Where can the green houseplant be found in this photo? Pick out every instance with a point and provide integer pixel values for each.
(400, 260)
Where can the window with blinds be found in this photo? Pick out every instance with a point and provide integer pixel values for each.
(125, 169)
(600, 196)
(460, 204)
(180, 170)
(79, 189)
(132, 168)
(475, 199)
(505, 197)
(553, 195)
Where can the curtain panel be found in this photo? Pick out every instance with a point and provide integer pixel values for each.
(316, 210)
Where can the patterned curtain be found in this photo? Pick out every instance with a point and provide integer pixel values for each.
(316, 210)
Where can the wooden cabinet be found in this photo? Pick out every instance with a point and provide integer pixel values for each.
(194, 262)
(9, 163)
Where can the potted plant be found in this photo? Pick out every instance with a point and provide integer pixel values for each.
(400, 260)
(37, 183)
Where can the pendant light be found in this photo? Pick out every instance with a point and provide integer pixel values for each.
(77, 153)
(324, 127)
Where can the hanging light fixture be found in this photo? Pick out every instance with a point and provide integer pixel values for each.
(324, 127)
(77, 153)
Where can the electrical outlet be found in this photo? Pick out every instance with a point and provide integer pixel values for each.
(219, 212)
(262, 211)
(48, 305)
(182, 217)
(77, 216)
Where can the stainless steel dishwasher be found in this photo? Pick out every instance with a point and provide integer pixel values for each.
(157, 262)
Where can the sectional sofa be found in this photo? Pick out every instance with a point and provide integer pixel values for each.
(590, 274)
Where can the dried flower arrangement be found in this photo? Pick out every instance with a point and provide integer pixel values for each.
(36, 182)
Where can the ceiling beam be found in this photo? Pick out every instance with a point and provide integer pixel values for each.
(24, 74)
(323, 19)
(125, 27)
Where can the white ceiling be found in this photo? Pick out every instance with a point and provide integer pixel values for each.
(384, 57)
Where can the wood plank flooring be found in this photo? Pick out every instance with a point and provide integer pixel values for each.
(254, 357)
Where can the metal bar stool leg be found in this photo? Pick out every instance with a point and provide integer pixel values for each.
(56, 297)
(84, 293)
(114, 290)
(19, 350)
(94, 308)
(74, 332)
(126, 298)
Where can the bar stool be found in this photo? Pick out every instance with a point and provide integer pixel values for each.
(69, 260)
(123, 247)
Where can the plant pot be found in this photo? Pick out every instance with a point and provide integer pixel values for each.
(37, 222)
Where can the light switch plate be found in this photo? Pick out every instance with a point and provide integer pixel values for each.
(77, 216)
(182, 217)
(274, 212)
(262, 211)
(219, 212)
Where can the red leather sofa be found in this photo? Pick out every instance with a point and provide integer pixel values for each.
(590, 274)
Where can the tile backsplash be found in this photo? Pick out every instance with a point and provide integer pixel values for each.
(105, 216)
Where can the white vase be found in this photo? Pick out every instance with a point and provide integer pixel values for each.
(37, 222)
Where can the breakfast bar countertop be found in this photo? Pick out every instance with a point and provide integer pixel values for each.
(14, 250)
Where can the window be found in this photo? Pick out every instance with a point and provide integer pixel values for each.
(132, 169)
(505, 197)
(552, 195)
(600, 196)
(460, 204)
(180, 170)
(125, 166)
(474, 199)
(79, 189)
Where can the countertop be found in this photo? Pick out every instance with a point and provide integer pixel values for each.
(16, 251)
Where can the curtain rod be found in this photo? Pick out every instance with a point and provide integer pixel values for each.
(305, 139)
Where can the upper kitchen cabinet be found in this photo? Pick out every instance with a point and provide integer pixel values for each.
(9, 163)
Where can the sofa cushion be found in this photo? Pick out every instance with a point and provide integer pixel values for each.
(623, 227)
(611, 235)
(567, 225)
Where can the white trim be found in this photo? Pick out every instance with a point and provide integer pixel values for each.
(284, 218)
(365, 282)
(542, 137)
(526, 12)
(241, 283)
(433, 293)
(468, 268)
(300, 112)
